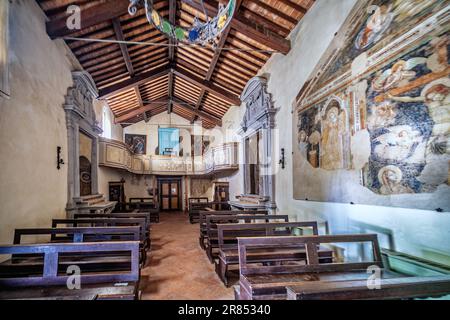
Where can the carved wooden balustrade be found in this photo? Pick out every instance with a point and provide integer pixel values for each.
(116, 154)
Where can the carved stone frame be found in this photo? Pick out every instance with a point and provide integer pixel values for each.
(260, 116)
(80, 117)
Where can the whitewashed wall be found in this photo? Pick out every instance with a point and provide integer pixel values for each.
(417, 232)
(33, 124)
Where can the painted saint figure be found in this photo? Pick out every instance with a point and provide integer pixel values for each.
(390, 178)
(331, 151)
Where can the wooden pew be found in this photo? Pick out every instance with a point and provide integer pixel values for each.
(203, 214)
(397, 288)
(260, 282)
(109, 222)
(229, 255)
(146, 216)
(145, 205)
(199, 204)
(211, 238)
(51, 280)
(74, 235)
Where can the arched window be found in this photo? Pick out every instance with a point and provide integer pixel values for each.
(106, 123)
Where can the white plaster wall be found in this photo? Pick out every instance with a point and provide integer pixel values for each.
(417, 232)
(32, 124)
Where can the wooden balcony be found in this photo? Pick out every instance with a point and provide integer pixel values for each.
(116, 154)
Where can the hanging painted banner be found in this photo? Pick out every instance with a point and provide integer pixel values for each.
(199, 33)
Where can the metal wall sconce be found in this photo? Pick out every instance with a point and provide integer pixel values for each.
(283, 159)
(59, 160)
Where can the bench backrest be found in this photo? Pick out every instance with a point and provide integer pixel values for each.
(213, 220)
(310, 243)
(236, 230)
(81, 234)
(204, 214)
(142, 203)
(105, 222)
(198, 200)
(144, 215)
(52, 251)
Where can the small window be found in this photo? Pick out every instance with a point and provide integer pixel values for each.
(106, 124)
(4, 47)
(169, 141)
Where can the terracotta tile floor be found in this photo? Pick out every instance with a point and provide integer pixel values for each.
(178, 268)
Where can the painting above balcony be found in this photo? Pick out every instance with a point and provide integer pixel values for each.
(137, 143)
(372, 126)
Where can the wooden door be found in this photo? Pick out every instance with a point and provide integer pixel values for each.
(170, 195)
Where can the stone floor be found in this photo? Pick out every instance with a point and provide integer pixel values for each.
(178, 268)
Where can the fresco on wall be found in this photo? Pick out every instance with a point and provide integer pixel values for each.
(387, 129)
(380, 22)
(137, 143)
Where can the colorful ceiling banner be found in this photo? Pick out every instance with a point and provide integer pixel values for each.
(202, 33)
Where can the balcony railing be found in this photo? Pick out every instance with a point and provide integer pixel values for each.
(217, 159)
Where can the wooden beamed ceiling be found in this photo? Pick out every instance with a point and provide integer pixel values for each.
(140, 81)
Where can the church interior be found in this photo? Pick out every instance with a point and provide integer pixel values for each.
(224, 150)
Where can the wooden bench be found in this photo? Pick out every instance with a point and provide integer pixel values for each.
(199, 205)
(212, 239)
(195, 204)
(203, 214)
(110, 222)
(397, 288)
(261, 282)
(138, 215)
(229, 255)
(145, 205)
(50, 282)
(75, 235)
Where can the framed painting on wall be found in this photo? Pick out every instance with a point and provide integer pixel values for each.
(137, 143)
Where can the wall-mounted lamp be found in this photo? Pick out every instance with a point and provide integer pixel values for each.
(59, 160)
(283, 159)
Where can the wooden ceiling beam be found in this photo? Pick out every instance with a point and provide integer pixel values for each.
(295, 6)
(169, 105)
(274, 11)
(89, 17)
(142, 110)
(172, 18)
(134, 81)
(123, 47)
(208, 86)
(201, 114)
(248, 28)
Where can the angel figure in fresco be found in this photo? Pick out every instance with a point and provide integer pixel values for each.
(436, 96)
(331, 146)
(400, 143)
(375, 27)
(399, 75)
(382, 115)
(390, 178)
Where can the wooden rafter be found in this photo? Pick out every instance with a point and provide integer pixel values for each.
(201, 114)
(89, 17)
(208, 86)
(123, 47)
(136, 112)
(134, 81)
(169, 105)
